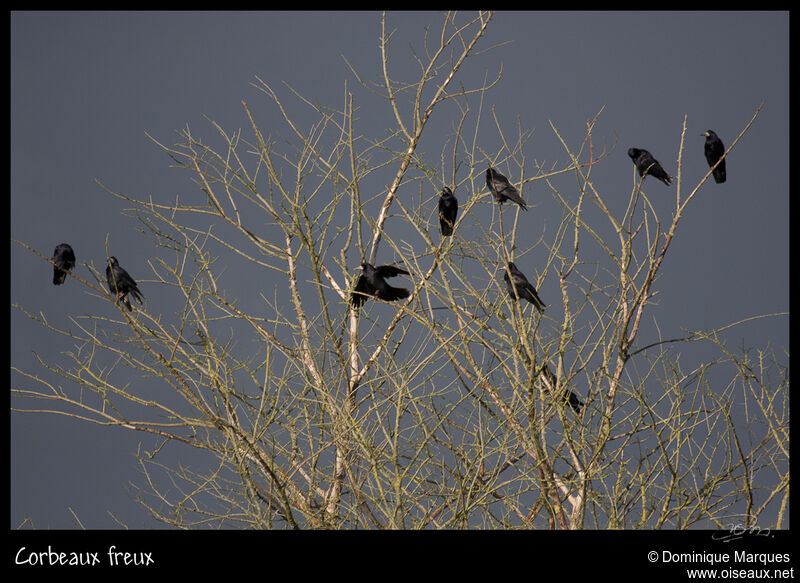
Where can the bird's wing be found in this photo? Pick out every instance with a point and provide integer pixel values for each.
(389, 271)
(511, 193)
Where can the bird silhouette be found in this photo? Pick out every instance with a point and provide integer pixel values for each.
(714, 151)
(647, 165)
(519, 287)
(120, 283)
(502, 189)
(569, 397)
(371, 282)
(448, 210)
(64, 259)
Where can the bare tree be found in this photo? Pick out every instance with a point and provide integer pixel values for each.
(442, 410)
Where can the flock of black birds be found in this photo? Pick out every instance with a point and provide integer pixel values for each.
(120, 283)
(647, 165)
(372, 280)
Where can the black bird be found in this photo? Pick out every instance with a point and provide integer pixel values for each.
(521, 287)
(371, 283)
(570, 397)
(646, 164)
(714, 151)
(502, 189)
(448, 210)
(64, 259)
(121, 284)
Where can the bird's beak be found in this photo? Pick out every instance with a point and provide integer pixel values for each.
(704, 134)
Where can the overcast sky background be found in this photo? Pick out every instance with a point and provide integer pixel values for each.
(86, 86)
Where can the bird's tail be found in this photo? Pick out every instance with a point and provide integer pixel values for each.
(138, 296)
(395, 293)
(575, 402)
(513, 195)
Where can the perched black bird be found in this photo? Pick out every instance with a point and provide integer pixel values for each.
(521, 287)
(448, 210)
(502, 189)
(646, 164)
(371, 283)
(570, 397)
(64, 259)
(714, 151)
(121, 284)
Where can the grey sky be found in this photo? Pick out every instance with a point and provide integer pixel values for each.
(86, 86)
